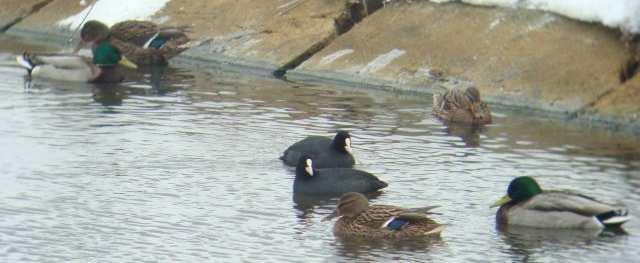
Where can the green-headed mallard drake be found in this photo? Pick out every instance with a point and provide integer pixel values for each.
(464, 106)
(359, 219)
(142, 42)
(327, 152)
(526, 204)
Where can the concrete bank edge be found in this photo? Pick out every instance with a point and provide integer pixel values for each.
(223, 62)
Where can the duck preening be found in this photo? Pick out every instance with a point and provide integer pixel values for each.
(526, 204)
(359, 219)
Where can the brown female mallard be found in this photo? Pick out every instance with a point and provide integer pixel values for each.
(142, 42)
(458, 105)
(359, 219)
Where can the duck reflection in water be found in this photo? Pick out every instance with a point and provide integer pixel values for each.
(525, 242)
(360, 248)
(109, 95)
(469, 133)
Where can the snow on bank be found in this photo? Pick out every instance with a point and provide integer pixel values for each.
(623, 14)
(114, 11)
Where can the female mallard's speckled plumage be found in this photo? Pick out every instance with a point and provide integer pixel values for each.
(458, 105)
(131, 36)
(359, 219)
(526, 204)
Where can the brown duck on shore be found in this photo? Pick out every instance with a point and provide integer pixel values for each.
(142, 42)
(461, 106)
(359, 219)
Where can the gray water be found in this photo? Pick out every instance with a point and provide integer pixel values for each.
(186, 169)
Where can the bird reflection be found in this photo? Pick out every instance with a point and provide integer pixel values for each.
(109, 95)
(469, 133)
(353, 247)
(524, 242)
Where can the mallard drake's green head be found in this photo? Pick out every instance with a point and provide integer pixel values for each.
(520, 189)
(93, 31)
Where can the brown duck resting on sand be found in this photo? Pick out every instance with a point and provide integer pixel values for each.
(143, 42)
(461, 106)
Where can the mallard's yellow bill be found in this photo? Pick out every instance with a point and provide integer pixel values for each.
(124, 61)
(505, 199)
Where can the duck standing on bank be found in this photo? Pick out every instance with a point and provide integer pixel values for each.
(332, 181)
(326, 152)
(359, 219)
(461, 106)
(526, 204)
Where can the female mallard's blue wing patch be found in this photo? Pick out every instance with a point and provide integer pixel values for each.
(395, 223)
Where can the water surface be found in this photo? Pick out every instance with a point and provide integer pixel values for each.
(185, 168)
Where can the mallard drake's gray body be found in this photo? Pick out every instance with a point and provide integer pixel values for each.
(359, 219)
(462, 106)
(526, 204)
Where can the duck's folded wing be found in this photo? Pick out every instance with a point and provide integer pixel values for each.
(568, 201)
(377, 215)
(133, 31)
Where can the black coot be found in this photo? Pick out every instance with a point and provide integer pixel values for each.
(332, 181)
(326, 153)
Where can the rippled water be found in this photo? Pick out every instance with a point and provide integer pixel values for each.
(186, 169)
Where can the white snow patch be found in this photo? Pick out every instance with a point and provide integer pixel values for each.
(623, 14)
(328, 59)
(382, 61)
(114, 11)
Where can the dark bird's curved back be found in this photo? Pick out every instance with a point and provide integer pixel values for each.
(332, 181)
(326, 152)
